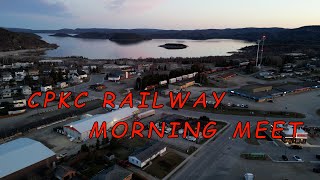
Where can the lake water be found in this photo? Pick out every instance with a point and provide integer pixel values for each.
(105, 49)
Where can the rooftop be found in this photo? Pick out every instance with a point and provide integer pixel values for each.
(115, 173)
(149, 151)
(21, 153)
(86, 124)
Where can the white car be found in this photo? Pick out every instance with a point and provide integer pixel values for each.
(191, 138)
(297, 158)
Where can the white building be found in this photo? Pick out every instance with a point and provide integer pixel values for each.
(83, 75)
(20, 73)
(6, 93)
(26, 90)
(62, 85)
(7, 77)
(80, 130)
(142, 157)
(287, 135)
(21, 156)
(46, 88)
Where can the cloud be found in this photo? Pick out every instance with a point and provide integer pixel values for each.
(34, 7)
(115, 4)
(135, 6)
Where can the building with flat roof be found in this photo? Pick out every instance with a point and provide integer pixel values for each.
(20, 157)
(261, 93)
(287, 135)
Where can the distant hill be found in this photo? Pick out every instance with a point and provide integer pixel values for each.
(92, 35)
(10, 41)
(127, 38)
(306, 34)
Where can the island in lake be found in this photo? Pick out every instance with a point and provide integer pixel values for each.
(174, 46)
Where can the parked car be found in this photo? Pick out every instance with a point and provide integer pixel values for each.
(248, 176)
(284, 157)
(297, 158)
(316, 170)
(191, 138)
(295, 147)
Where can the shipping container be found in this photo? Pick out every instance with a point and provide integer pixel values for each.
(190, 75)
(163, 82)
(173, 80)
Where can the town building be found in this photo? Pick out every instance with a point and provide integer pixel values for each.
(23, 156)
(26, 90)
(143, 156)
(51, 62)
(33, 72)
(287, 135)
(6, 76)
(114, 173)
(62, 85)
(265, 92)
(80, 130)
(64, 172)
(20, 72)
(46, 88)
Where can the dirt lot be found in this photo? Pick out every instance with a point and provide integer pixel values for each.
(163, 165)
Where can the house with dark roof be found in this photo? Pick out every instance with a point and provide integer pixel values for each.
(114, 173)
(143, 156)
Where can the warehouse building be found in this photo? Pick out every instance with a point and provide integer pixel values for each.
(21, 157)
(80, 130)
(257, 92)
(143, 156)
(262, 93)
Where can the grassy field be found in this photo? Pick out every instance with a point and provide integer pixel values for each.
(163, 165)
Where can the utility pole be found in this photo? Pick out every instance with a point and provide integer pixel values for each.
(263, 39)
(257, 59)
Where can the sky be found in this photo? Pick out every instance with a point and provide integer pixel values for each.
(159, 14)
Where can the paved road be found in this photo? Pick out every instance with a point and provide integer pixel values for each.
(217, 158)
